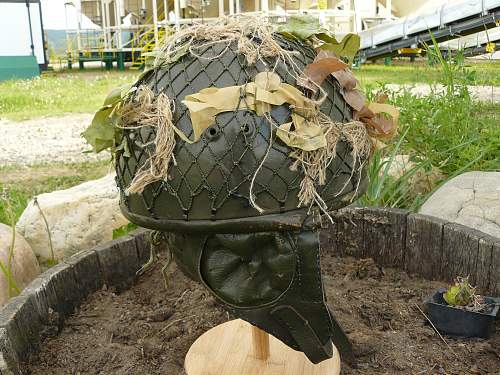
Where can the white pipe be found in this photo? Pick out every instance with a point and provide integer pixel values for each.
(177, 11)
(221, 8)
(78, 24)
(103, 24)
(165, 10)
(108, 26)
(68, 40)
(238, 6)
(265, 6)
(155, 23)
(118, 22)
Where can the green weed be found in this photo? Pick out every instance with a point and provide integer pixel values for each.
(389, 191)
(446, 129)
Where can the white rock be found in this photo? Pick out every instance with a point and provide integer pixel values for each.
(24, 265)
(471, 199)
(79, 218)
(421, 181)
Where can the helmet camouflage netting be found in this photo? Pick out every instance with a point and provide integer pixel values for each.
(236, 143)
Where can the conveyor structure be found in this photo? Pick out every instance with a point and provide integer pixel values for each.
(449, 21)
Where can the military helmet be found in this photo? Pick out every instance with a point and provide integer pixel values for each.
(222, 135)
(208, 185)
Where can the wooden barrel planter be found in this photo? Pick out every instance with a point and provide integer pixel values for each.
(422, 245)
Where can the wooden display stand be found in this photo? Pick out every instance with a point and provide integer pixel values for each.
(238, 348)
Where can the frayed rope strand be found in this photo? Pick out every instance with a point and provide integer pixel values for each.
(147, 110)
(315, 163)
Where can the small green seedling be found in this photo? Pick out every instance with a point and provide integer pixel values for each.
(463, 295)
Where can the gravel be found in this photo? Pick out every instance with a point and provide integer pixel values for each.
(46, 140)
(480, 93)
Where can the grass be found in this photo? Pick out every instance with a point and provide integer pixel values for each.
(451, 131)
(84, 91)
(486, 73)
(445, 130)
(59, 93)
(19, 185)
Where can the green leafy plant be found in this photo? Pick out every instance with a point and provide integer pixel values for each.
(390, 191)
(446, 129)
(463, 295)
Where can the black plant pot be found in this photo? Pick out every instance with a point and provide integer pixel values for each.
(461, 323)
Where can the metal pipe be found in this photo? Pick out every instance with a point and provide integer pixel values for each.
(78, 24)
(103, 24)
(221, 8)
(155, 23)
(265, 6)
(31, 30)
(45, 60)
(177, 11)
(118, 22)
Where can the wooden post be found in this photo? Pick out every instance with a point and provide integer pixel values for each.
(260, 343)
(238, 348)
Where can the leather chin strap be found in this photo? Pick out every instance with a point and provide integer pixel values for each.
(270, 279)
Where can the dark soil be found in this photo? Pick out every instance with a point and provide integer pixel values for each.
(148, 330)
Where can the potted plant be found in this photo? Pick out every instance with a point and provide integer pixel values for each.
(458, 311)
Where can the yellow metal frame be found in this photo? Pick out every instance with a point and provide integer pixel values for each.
(490, 47)
(410, 51)
(145, 42)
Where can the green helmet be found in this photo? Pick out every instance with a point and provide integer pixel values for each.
(233, 198)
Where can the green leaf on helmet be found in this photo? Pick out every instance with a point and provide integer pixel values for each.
(301, 27)
(347, 48)
(102, 133)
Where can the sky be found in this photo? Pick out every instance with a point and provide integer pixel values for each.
(54, 16)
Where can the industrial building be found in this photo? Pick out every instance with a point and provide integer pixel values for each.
(129, 28)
